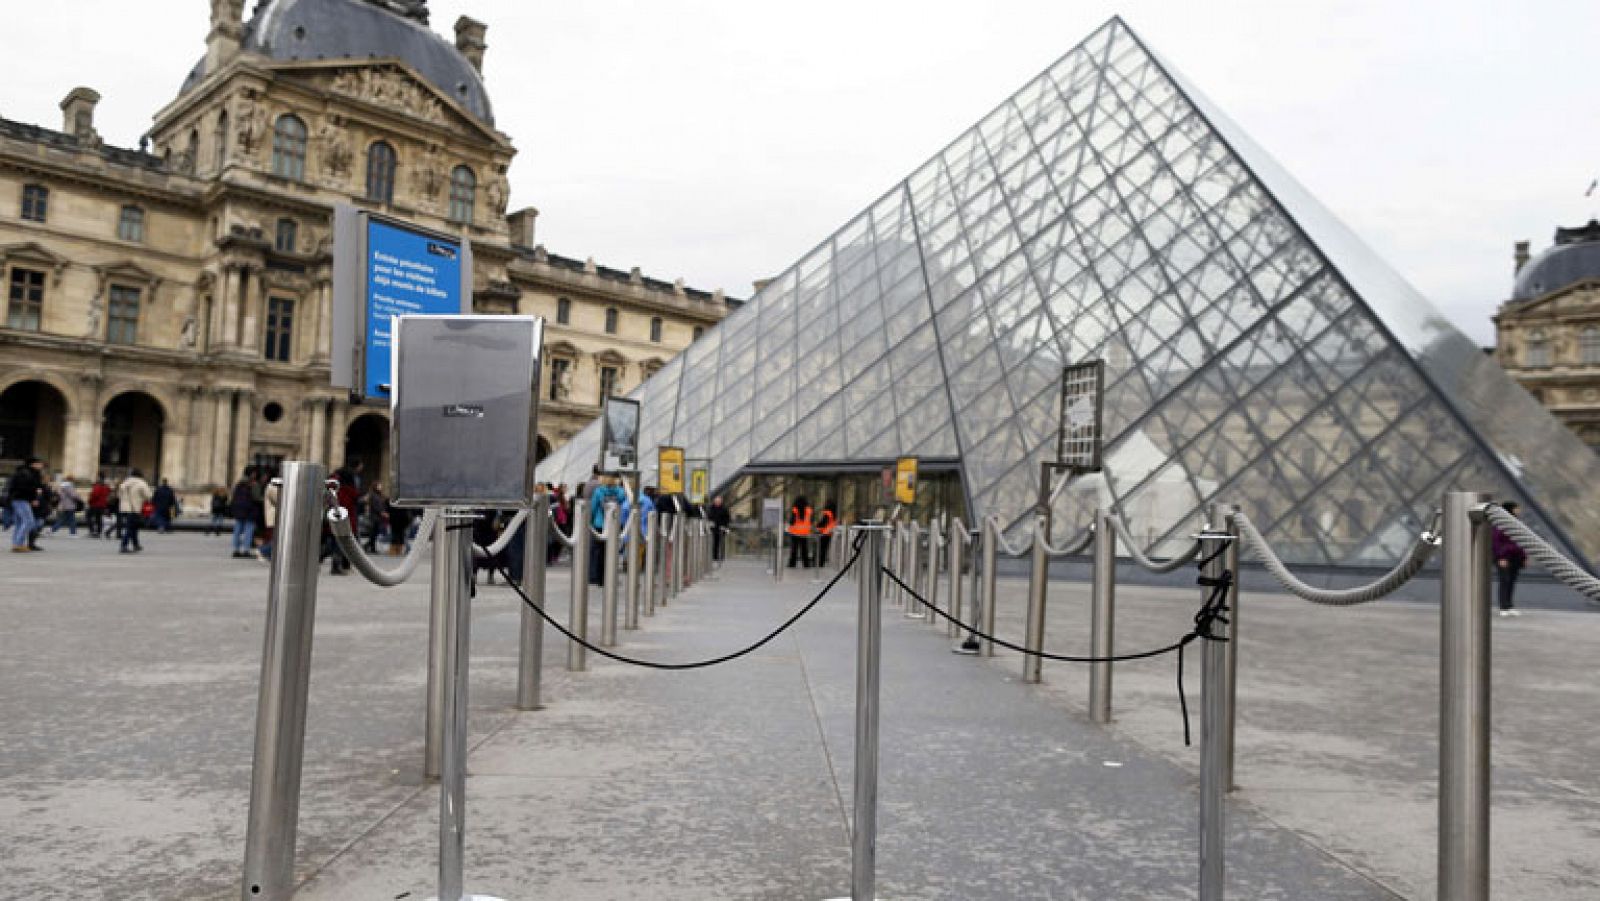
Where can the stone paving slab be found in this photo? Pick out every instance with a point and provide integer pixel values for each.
(128, 684)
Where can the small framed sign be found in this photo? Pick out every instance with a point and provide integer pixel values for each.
(699, 480)
(619, 440)
(905, 480)
(670, 477)
(1078, 441)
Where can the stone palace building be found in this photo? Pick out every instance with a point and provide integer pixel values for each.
(167, 308)
(1547, 336)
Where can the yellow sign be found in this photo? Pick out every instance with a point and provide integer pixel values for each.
(905, 480)
(699, 484)
(670, 460)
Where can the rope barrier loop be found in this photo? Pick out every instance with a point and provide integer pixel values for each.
(1172, 565)
(1554, 562)
(344, 535)
(1074, 547)
(1385, 585)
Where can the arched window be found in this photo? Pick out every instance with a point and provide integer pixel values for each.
(1536, 351)
(289, 148)
(380, 173)
(130, 226)
(1589, 345)
(219, 141)
(284, 239)
(611, 323)
(463, 194)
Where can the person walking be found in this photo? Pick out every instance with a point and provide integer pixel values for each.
(720, 520)
(606, 492)
(376, 516)
(71, 503)
(23, 490)
(166, 502)
(800, 524)
(561, 520)
(243, 509)
(133, 494)
(44, 512)
(269, 516)
(1509, 559)
(114, 509)
(99, 501)
(399, 525)
(219, 510)
(826, 523)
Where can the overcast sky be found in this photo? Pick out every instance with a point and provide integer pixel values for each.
(718, 141)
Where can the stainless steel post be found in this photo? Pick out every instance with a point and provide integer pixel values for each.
(651, 552)
(953, 549)
(274, 818)
(1464, 655)
(530, 649)
(608, 579)
(892, 562)
(453, 779)
(578, 614)
(631, 548)
(438, 611)
(987, 599)
(913, 575)
(1038, 580)
(669, 537)
(1213, 711)
(1230, 560)
(777, 547)
(869, 643)
(679, 555)
(1102, 616)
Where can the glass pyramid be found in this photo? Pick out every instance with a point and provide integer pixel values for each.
(1256, 352)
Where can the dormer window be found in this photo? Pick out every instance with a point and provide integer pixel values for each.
(289, 148)
(1536, 350)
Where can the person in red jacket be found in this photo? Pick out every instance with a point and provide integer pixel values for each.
(99, 501)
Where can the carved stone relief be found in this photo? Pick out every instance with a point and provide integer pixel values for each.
(390, 87)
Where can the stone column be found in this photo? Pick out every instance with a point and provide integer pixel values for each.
(252, 292)
(243, 417)
(321, 332)
(338, 426)
(225, 315)
(221, 431)
(317, 449)
(82, 438)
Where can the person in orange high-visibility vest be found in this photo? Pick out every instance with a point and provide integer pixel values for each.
(799, 530)
(827, 521)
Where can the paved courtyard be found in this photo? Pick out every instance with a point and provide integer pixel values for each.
(128, 689)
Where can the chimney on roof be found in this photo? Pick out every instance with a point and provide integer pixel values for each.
(521, 223)
(77, 113)
(469, 40)
(761, 284)
(1520, 255)
(227, 30)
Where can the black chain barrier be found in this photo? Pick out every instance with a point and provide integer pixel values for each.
(698, 664)
(1213, 610)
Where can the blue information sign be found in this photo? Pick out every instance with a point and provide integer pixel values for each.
(406, 272)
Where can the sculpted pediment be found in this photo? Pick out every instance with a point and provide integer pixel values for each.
(390, 85)
(1583, 297)
(38, 254)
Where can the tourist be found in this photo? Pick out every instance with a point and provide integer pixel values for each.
(133, 494)
(99, 504)
(219, 510)
(720, 520)
(71, 503)
(374, 517)
(44, 511)
(166, 507)
(114, 508)
(399, 526)
(1509, 558)
(560, 522)
(243, 510)
(269, 516)
(799, 529)
(606, 493)
(23, 491)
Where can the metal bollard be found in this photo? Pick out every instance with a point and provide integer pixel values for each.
(631, 548)
(530, 648)
(1038, 580)
(931, 579)
(869, 645)
(955, 565)
(651, 551)
(1464, 656)
(458, 641)
(1230, 650)
(274, 818)
(679, 555)
(578, 614)
(912, 564)
(669, 583)
(1213, 713)
(987, 598)
(1102, 616)
(777, 548)
(438, 612)
(608, 580)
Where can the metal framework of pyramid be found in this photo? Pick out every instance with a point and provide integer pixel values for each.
(1256, 352)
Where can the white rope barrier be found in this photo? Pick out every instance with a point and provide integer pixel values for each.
(1409, 566)
(339, 525)
(1563, 570)
(1172, 565)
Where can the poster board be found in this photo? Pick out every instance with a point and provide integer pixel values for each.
(905, 480)
(619, 441)
(699, 489)
(1079, 439)
(670, 474)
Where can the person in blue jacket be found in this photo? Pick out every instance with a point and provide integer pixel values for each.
(607, 492)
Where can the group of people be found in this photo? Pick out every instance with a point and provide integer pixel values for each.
(803, 525)
(36, 501)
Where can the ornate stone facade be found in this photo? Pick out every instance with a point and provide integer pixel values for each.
(1548, 335)
(169, 309)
